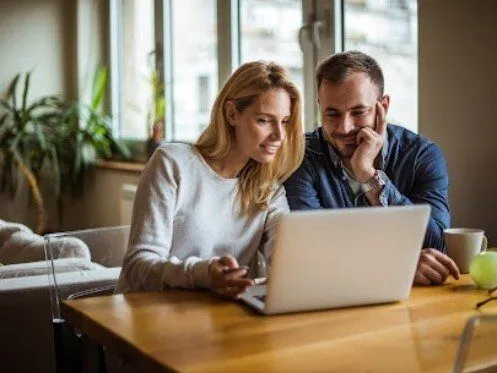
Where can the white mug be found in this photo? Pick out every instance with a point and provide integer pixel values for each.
(463, 244)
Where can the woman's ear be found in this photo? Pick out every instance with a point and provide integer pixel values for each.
(231, 112)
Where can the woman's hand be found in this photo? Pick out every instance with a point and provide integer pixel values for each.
(228, 279)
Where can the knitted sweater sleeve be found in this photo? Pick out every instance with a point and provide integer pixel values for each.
(148, 265)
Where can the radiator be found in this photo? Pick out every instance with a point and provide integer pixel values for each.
(128, 192)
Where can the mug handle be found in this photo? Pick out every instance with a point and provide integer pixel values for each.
(484, 244)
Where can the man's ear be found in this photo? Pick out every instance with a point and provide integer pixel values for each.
(385, 102)
(231, 112)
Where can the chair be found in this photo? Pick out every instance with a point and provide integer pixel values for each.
(479, 335)
(73, 352)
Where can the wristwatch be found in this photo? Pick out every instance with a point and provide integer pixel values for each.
(379, 178)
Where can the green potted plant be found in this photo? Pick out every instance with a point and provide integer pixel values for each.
(27, 134)
(67, 138)
(89, 136)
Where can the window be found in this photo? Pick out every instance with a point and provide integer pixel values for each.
(269, 31)
(135, 65)
(203, 93)
(387, 30)
(194, 66)
(194, 45)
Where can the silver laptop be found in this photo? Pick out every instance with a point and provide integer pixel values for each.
(341, 258)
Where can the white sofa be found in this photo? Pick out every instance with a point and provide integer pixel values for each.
(81, 261)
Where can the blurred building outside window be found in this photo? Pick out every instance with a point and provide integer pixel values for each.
(267, 30)
(387, 30)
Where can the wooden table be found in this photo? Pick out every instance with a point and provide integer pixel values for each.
(198, 332)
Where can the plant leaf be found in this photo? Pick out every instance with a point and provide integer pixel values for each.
(98, 88)
(122, 149)
(12, 90)
(56, 170)
(6, 105)
(2, 119)
(40, 135)
(26, 90)
(76, 169)
(17, 138)
(47, 102)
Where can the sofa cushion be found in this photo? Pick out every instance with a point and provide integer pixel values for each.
(8, 228)
(43, 267)
(24, 246)
(69, 247)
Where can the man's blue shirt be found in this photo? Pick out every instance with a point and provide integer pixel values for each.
(415, 166)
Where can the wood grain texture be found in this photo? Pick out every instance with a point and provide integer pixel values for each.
(198, 332)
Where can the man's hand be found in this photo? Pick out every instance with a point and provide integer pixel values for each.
(228, 278)
(434, 267)
(370, 142)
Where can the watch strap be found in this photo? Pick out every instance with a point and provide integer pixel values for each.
(379, 179)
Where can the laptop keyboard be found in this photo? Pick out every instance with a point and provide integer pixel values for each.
(262, 298)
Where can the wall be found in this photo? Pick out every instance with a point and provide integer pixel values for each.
(101, 204)
(457, 100)
(37, 35)
(62, 42)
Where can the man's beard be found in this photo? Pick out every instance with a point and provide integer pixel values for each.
(345, 150)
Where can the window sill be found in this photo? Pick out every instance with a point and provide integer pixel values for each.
(135, 167)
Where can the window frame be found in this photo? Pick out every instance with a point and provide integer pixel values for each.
(327, 15)
(228, 54)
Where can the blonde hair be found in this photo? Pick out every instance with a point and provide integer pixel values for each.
(256, 182)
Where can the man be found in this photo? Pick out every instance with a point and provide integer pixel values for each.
(356, 159)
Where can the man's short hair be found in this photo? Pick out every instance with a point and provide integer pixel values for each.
(339, 66)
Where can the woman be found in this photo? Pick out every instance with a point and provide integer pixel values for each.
(203, 211)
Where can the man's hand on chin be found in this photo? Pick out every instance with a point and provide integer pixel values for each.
(434, 267)
(369, 144)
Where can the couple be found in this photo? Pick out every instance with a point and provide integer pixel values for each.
(203, 212)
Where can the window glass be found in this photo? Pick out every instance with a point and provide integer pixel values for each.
(387, 30)
(269, 31)
(195, 66)
(137, 63)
